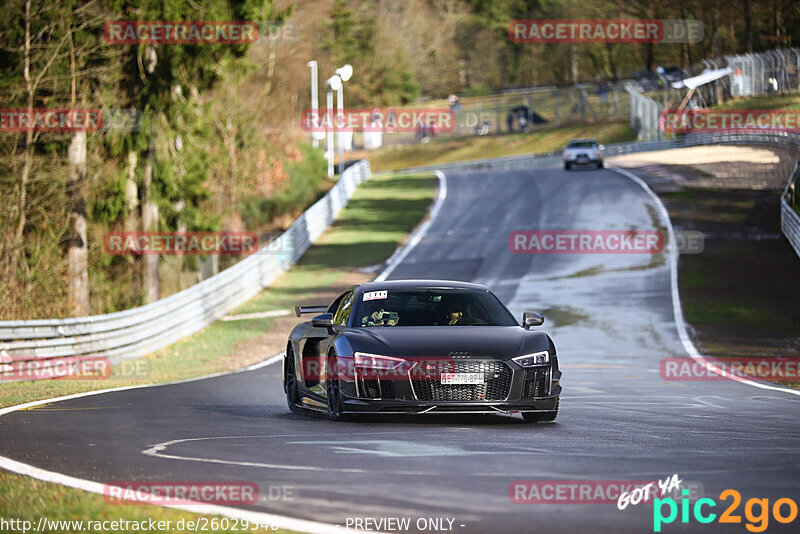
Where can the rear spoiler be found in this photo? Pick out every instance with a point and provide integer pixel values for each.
(300, 310)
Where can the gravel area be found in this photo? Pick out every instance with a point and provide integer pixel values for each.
(716, 166)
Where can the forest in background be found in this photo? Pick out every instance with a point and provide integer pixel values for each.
(216, 143)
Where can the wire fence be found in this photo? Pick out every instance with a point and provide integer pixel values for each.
(519, 110)
(766, 73)
(773, 72)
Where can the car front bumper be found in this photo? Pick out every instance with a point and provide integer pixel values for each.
(583, 161)
(506, 388)
(394, 406)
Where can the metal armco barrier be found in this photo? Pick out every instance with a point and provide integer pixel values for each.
(790, 220)
(138, 331)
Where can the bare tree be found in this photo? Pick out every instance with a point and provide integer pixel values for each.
(39, 49)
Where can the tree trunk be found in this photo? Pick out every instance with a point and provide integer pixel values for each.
(573, 55)
(748, 25)
(150, 277)
(77, 250)
(131, 221)
(77, 246)
(131, 193)
(22, 201)
(27, 162)
(612, 62)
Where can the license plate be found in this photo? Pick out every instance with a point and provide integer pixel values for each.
(462, 378)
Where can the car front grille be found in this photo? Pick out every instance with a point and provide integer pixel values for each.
(496, 386)
(537, 383)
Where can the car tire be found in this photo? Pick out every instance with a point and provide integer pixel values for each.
(290, 381)
(541, 417)
(599, 164)
(567, 166)
(333, 391)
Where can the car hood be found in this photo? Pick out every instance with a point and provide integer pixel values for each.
(479, 341)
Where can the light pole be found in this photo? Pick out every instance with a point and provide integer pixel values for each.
(315, 133)
(344, 73)
(334, 83)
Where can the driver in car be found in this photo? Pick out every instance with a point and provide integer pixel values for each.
(380, 318)
(452, 312)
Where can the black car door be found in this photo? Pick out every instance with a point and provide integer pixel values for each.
(340, 318)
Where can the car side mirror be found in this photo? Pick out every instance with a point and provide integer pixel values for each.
(530, 319)
(323, 320)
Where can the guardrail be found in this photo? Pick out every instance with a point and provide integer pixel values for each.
(142, 330)
(790, 220)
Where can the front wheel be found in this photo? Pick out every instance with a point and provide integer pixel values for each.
(599, 164)
(567, 166)
(541, 417)
(334, 392)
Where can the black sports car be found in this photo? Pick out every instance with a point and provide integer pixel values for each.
(420, 346)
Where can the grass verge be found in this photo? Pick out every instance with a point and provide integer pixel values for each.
(26, 499)
(762, 102)
(739, 293)
(494, 146)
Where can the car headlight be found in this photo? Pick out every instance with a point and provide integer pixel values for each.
(530, 360)
(375, 362)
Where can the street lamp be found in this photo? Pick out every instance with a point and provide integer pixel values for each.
(343, 73)
(334, 83)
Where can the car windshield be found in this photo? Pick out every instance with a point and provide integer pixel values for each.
(582, 144)
(431, 307)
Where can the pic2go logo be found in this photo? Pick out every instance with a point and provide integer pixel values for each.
(757, 522)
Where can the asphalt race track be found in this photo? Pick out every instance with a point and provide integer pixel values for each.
(611, 317)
